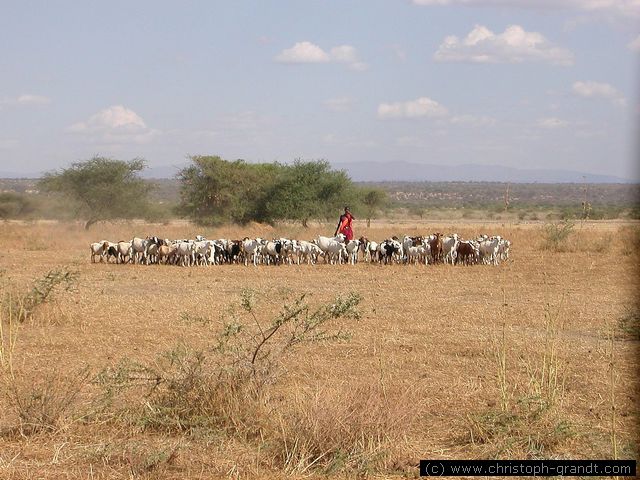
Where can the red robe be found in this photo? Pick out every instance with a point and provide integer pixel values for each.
(345, 227)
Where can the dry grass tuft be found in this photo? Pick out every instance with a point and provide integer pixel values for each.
(46, 404)
(345, 427)
(531, 421)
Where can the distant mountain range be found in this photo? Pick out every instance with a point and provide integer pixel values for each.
(416, 172)
(407, 171)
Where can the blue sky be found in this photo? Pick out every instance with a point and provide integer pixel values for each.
(530, 84)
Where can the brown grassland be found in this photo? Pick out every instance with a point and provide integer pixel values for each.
(534, 358)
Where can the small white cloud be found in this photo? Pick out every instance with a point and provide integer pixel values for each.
(303, 52)
(552, 123)
(421, 107)
(514, 45)
(473, 120)
(26, 99)
(340, 104)
(115, 124)
(29, 99)
(307, 52)
(590, 89)
(634, 45)
(344, 54)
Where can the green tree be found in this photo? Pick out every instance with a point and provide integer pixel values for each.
(102, 188)
(372, 200)
(308, 190)
(213, 190)
(15, 205)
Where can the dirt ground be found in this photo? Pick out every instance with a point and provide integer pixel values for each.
(508, 361)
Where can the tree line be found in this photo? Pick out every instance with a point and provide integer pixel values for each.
(215, 191)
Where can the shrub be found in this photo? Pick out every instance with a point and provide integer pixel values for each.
(23, 306)
(223, 386)
(43, 403)
(556, 234)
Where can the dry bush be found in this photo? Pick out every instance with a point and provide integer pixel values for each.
(45, 403)
(184, 391)
(353, 427)
(224, 387)
(24, 305)
(40, 402)
(555, 235)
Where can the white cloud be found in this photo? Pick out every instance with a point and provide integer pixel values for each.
(26, 99)
(114, 125)
(341, 104)
(303, 52)
(473, 120)
(552, 123)
(514, 45)
(634, 45)
(30, 99)
(599, 90)
(421, 107)
(307, 52)
(620, 8)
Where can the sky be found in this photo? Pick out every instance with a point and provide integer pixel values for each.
(517, 83)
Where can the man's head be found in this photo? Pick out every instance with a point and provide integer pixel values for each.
(347, 210)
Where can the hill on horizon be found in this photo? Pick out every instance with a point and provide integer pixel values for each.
(416, 172)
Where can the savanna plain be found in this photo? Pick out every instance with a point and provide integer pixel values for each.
(134, 371)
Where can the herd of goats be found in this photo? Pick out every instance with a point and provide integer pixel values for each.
(430, 249)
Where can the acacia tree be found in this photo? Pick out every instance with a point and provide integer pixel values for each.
(372, 199)
(213, 190)
(102, 188)
(307, 190)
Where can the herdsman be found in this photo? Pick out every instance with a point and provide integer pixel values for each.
(345, 224)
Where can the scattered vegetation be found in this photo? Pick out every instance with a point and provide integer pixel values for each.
(280, 384)
(22, 306)
(44, 403)
(16, 205)
(189, 388)
(555, 235)
(228, 387)
(213, 191)
(345, 427)
(530, 421)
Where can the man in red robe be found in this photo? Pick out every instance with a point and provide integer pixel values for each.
(345, 224)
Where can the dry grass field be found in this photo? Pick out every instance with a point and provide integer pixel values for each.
(117, 374)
